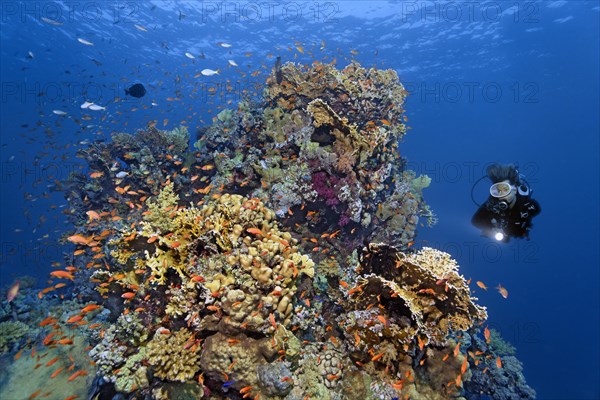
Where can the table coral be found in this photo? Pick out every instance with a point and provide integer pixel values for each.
(422, 294)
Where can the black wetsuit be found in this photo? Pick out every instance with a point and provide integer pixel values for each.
(513, 222)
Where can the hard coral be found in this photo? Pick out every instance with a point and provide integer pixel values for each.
(241, 358)
(231, 244)
(423, 289)
(133, 375)
(169, 357)
(343, 128)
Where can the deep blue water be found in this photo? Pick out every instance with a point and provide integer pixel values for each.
(496, 81)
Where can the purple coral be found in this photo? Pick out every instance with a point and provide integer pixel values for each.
(344, 220)
(324, 185)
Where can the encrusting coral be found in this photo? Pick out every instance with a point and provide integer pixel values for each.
(133, 375)
(239, 355)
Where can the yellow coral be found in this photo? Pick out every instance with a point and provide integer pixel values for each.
(230, 244)
(169, 357)
(160, 208)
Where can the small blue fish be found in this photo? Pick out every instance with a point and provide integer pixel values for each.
(227, 384)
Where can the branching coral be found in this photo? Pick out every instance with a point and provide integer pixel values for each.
(160, 209)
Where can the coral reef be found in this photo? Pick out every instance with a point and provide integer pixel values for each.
(259, 270)
(325, 148)
(274, 258)
(109, 354)
(496, 372)
(29, 376)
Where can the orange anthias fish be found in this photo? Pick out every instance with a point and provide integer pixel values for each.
(62, 274)
(482, 285)
(498, 362)
(55, 373)
(255, 231)
(96, 174)
(79, 239)
(90, 307)
(74, 319)
(458, 381)
(13, 291)
(486, 334)
(76, 374)
(421, 342)
(48, 321)
(272, 320)
(502, 291)
(457, 350)
(92, 215)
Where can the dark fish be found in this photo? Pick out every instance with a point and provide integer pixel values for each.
(138, 90)
(278, 73)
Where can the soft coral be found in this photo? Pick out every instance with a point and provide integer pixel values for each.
(324, 185)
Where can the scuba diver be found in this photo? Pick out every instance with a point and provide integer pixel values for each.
(509, 209)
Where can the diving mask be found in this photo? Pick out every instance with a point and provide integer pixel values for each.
(501, 190)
